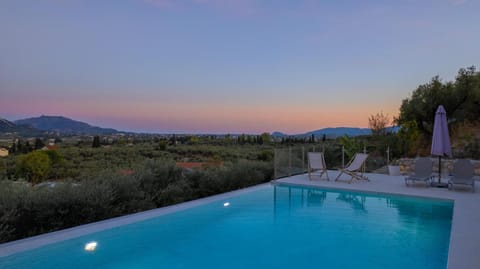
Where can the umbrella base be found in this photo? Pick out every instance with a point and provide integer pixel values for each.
(439, 185)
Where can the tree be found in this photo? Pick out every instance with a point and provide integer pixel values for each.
(39, 143)
(266, 137)
(13, 148)
(96, 142)
(56, 161)
(351, 145)
(173, 140)
(34, 166)
(3, 168)
(54, 156)
(27, 148)
(193, 139)
(467, 93)
(162, 145)
(19, 146)
(379, 123)
(421, 106)
(461, 100)
(408, 137)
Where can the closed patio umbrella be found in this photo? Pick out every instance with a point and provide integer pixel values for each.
(441, 139)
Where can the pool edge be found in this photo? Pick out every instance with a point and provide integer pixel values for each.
(30, 243)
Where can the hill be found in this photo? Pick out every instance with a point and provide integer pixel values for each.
(12, 128)
(279, 134)
(339, 131)
(64, 125)
(336, 132)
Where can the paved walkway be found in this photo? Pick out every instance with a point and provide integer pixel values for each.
(464, 238)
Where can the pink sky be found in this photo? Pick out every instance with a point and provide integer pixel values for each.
(207, 117)
(227, 66)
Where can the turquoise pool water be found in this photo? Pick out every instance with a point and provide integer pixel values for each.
(272, 227)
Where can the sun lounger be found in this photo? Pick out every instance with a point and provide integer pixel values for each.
(462, 174)
(422, 172)
(316, 163)
(354, 168)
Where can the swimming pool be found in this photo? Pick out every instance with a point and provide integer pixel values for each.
(272, 227)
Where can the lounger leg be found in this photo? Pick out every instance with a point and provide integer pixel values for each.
(341, 172)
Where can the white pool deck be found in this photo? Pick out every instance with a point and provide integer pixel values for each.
(464, 237)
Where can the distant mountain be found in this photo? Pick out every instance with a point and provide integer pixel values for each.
(393, 129)
(6, 126)
(339, 131)
(336, 132)
(64, 126)
(23, 130)
(278, 134)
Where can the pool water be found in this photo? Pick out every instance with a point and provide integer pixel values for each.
(272, 227)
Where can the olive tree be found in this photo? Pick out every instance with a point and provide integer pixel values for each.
(34, 166)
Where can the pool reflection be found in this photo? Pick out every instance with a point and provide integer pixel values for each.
(357, 202)
(409, 209)
(295, 197)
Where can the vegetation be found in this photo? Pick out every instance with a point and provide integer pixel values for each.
(34, 166)
(460, 98)
(379, 123)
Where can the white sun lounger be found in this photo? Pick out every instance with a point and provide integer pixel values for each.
(422, 172)
(355, 168)
(463, 174)
(316, 163)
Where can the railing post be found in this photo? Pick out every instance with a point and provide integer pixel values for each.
(289, 161)
(388, 155)
(275, 159)
(303, 158)
(365, 163)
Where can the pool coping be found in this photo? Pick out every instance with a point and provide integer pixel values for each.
(370, 192)
(30, 243)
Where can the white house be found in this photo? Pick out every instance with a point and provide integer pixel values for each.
(3, 152)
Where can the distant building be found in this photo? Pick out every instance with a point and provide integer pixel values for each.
(50, 147)
(3, 152)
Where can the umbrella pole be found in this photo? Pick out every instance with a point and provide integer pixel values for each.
(439, 168)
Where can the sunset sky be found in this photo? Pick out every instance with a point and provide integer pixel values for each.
(227, 66)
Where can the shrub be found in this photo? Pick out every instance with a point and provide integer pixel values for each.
(265, 155)
(34, 166)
